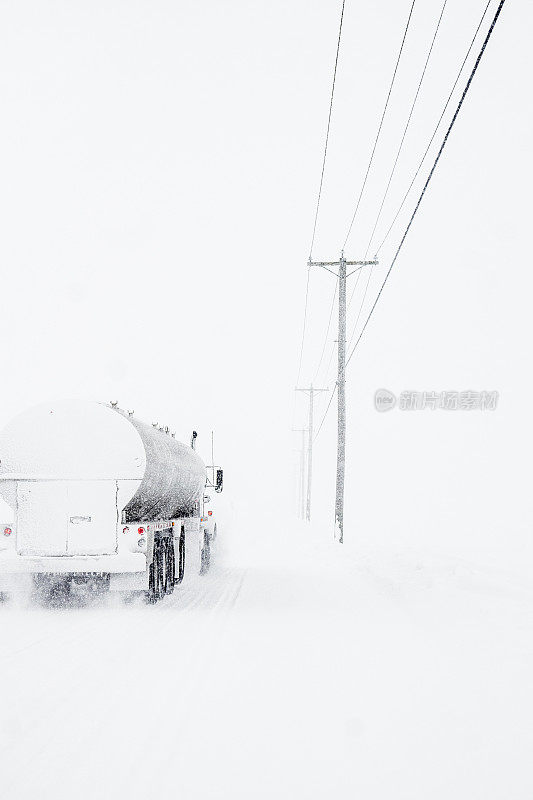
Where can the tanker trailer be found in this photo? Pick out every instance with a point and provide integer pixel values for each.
(99, 498)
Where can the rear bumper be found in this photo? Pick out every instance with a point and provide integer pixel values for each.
(14, 564)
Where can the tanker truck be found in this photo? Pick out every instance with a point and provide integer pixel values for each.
(101, 500)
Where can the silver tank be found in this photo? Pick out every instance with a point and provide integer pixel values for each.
(174, 477)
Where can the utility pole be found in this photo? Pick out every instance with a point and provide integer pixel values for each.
(341, 380)
(301, 482)
(311, 391)
(341, 400)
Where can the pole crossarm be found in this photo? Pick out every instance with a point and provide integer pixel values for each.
(337, 263)
(327, 264)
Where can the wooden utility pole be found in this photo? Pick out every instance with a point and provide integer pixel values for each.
(342, 276)
(311, 391)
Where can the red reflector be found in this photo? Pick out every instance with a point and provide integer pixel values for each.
(7, 531)
(140, 530)
(210, 513)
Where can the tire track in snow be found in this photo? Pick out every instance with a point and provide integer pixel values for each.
(143, 632)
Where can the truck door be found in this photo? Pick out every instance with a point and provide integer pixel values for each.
(92, 518)
(41, 521)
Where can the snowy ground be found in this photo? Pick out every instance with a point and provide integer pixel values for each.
(295, 669)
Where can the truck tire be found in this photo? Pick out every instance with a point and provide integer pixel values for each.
(205, 558)
(160, 571)
(155, 575)
(163, 567)
(181, 558)
(150, 595)
(170, 572)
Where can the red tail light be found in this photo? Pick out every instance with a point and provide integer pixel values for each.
(7, 531)
(125, 530)
(210, 513)
(140, 530)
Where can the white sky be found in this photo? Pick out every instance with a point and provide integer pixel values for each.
(159, 167)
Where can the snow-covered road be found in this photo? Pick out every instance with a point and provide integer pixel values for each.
(292, 670)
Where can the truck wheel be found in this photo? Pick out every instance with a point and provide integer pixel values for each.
(205, 559)
(170, 575)
(163, 568)
(151, 593)
(181, 558)
(161, 571)
(155, 577)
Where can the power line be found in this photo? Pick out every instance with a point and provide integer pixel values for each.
(369, 278)
(436, 128)
(421, 163)
(364, 295)
(406, 126)
(310, 440)
(326, 411)
(320, 192)
(380, 125)
(327, 330)
(452, 123)
(354, 288)
(333, 348)
(362, 303)
(327, 132)
(303, 326)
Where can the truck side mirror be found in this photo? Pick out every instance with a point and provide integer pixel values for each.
(219, 481)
